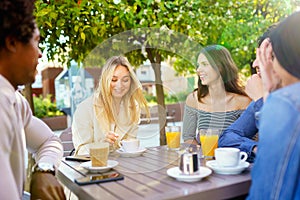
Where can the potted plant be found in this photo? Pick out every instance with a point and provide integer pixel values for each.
(47, 111)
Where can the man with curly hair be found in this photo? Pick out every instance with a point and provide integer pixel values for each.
(19, 54)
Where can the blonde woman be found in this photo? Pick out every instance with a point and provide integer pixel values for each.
(112, 113)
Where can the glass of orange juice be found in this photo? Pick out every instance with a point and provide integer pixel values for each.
(209, 142)
(173, 134)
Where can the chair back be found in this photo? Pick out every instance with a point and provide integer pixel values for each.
(66, 139)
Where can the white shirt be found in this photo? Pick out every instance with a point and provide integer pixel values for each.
(89, 127)
(21, 130)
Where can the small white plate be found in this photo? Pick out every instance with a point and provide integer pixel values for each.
(227, 170)
(131, 154)
(110, 164)
(176, 173)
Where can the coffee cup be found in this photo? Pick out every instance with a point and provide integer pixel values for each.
(229, 157)
(99, 154)
(130, 145)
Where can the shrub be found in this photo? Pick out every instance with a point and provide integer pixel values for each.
(43, 107)
(169, 98)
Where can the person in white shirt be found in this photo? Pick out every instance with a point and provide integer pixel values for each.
(19, 54)
(112, 113)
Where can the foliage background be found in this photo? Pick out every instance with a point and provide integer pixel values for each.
(45, 108)
(71, 29)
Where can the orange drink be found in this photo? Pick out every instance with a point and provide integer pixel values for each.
(209, 142)
(173, 137)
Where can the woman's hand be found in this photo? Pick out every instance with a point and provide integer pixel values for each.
(111, 137)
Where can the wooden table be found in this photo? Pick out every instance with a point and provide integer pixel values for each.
(146, 178)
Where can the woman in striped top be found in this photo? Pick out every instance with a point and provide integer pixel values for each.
(219, 99)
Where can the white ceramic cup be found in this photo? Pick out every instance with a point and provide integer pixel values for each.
(229, 157)
(130, 145)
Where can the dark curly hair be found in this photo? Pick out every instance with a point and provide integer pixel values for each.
(16, 20)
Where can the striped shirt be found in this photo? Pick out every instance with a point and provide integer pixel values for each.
(194, 119)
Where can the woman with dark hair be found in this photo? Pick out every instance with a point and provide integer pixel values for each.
(219, 99)
(276, 170)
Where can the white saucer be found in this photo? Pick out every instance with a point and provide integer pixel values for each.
(131, 154)
(227, 170)
(176, 173)
(110, 164)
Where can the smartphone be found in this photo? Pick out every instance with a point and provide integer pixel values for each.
(78, 158)
(99, 178)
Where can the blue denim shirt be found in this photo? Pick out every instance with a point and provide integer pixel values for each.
(276, 170)
(240, 133)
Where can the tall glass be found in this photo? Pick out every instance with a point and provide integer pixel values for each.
(209, 142)
(173, 134)
(99, 154)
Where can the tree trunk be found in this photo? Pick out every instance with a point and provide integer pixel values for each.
(31, 162)
(155, 59)
(161, 112)
(28, 96)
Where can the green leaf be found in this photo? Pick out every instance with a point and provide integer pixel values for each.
(48, 23)
(76, 27)
(86, 27)
(94, 30)
(82, 35)
(115, 20)
(42, 13)
(53, 15)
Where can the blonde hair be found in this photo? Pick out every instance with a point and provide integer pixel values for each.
(134, 100)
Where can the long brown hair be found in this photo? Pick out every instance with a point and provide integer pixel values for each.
(220, 59)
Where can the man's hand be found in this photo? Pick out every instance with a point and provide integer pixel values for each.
(270, 79)
(45, 186)
(254, 150)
